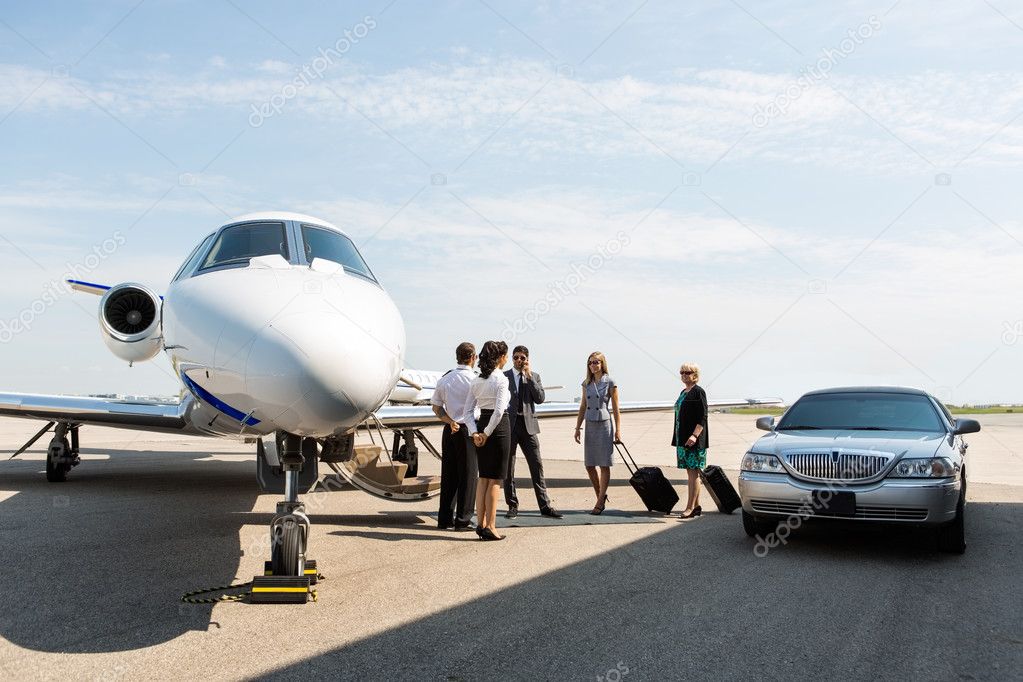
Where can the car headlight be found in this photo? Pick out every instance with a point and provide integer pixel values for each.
(766, 463)
(938, 467)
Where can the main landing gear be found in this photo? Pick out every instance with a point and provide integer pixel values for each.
(404, 449)
(62, 453)
(406, 452)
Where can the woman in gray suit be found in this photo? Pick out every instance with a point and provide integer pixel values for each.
(599, 403)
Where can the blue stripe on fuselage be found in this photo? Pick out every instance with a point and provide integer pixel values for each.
(218, 404)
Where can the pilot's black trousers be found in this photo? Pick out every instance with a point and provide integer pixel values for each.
(458, 475)
(530, 446)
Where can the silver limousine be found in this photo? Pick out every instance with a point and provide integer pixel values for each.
(873, 454)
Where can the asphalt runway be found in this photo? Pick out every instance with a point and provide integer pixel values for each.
(93, 570)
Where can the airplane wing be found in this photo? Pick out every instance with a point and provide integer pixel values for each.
(419, 416)
(141, 415)
(88, 287)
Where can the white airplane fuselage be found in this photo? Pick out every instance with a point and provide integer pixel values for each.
(305, 348)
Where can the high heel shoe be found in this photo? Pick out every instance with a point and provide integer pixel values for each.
(599, 509)
(488, 534)
(479, 531)
(697, 510)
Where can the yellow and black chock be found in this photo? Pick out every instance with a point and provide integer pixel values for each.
(265, 589)
(279, 589)
(310, 570)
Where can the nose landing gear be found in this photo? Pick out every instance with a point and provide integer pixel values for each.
(289, 578)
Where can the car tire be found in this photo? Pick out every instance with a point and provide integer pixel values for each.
(952, 535)
(754, 525)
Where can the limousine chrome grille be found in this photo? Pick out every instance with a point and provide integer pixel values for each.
(862, 512)
(837, 466)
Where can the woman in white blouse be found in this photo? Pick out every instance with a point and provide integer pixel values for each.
(492, 435)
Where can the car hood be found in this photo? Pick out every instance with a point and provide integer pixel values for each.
(910, 443)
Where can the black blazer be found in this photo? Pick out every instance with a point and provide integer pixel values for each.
(692, 412)
(532, 394)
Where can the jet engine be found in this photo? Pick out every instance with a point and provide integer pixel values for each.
(129, 315)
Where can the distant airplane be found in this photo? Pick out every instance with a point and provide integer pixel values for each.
(280, 334)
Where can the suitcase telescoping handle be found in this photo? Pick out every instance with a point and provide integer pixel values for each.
(626, 457)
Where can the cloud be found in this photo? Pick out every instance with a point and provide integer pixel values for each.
(877, 123)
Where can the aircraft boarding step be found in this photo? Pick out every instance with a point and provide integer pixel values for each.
(384, 478)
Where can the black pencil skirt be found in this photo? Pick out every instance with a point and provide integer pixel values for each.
(493, 456)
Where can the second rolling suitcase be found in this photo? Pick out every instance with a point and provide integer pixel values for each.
(654, 489)
(720, 488)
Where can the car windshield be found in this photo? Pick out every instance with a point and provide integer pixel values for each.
(862, 411)
(334, 246)
(239, 243)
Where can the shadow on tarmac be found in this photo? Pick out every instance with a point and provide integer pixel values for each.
(97, 563)
(697, 603)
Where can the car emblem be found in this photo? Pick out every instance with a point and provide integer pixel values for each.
(834, 456)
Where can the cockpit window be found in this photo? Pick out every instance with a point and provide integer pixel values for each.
(334, 246)
(193, 258)
(236, 245)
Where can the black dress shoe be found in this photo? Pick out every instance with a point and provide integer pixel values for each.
(551, 512)
(462, 526)
(445, 526)
(511, 513)
(488, 534)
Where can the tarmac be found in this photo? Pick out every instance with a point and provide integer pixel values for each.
(93, 570)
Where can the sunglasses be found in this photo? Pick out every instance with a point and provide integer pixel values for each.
(520, 357)
(684, 373)
(594, 362)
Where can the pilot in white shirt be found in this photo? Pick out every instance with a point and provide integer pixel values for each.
(458, 470)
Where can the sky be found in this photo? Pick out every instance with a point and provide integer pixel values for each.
(791, 195)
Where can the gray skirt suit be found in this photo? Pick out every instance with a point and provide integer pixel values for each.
(598, 441)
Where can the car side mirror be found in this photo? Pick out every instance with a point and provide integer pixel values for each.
(966, 426)
(767, 423)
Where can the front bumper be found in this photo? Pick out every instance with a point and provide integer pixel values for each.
(904, 500)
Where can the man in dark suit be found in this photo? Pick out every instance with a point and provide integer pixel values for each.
(526, 393)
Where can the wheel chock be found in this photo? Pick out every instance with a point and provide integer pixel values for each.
(310, 570)
(280, 589)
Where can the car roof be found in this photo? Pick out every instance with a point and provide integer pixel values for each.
(905, 390)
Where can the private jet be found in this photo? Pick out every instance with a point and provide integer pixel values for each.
(281, 336)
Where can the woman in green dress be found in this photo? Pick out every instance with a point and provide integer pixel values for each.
(690, 437)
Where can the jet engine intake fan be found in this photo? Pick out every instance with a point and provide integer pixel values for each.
(129, 316)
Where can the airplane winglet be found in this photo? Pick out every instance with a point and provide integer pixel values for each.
(88, 287)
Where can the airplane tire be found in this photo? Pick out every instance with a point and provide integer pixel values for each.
(286, 546)
(56, 472)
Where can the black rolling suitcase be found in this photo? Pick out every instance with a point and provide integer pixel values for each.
(720, 488)
(654, 489)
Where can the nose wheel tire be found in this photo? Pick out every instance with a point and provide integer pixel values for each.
(286, 551)
(57, 460)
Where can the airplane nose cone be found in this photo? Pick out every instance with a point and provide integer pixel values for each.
(315, 375)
